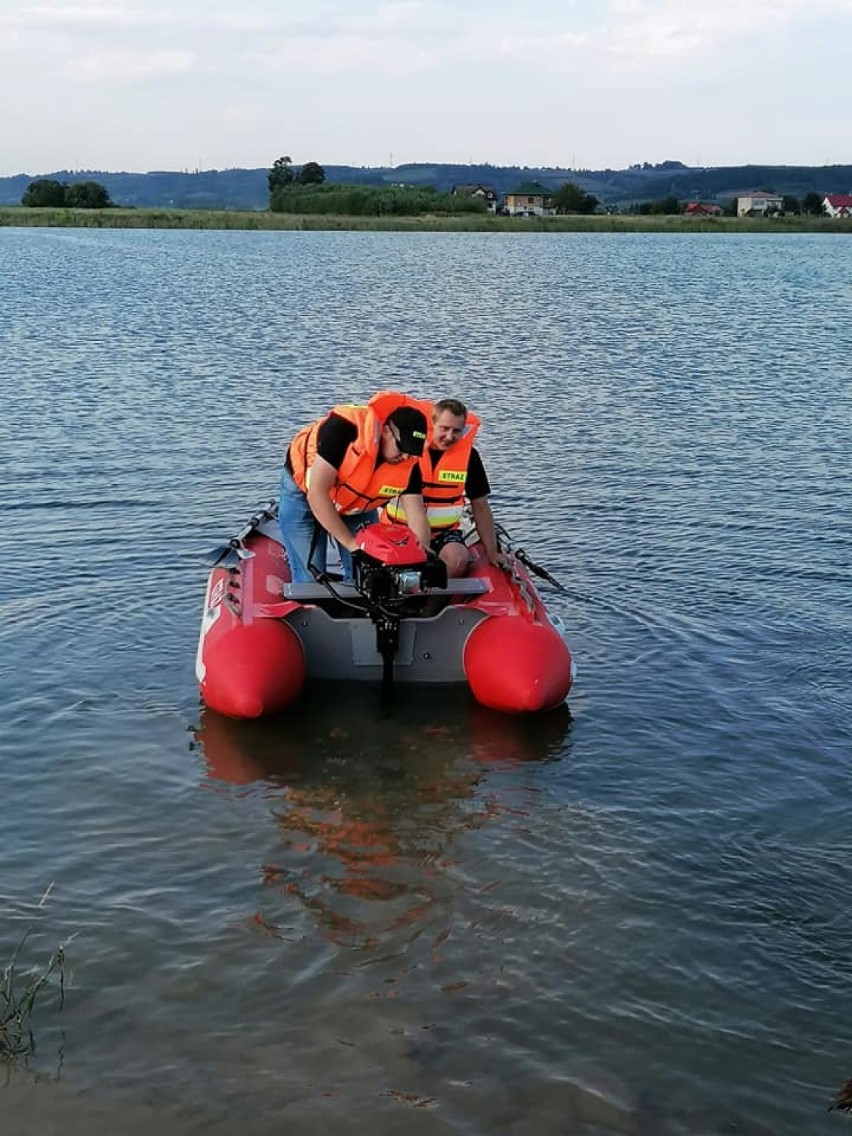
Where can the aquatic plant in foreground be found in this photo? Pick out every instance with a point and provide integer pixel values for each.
(18, 995)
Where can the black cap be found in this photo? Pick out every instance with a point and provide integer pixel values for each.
(411, 425)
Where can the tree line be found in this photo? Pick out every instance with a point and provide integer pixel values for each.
(283, 174)
(47, 192)
(305, 190)
(810, 205)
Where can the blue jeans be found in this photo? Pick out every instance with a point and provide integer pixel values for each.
(297, 532)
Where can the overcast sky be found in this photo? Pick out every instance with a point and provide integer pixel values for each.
(211, 84)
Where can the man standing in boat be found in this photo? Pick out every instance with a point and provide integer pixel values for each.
(451, 470)
(341, 469)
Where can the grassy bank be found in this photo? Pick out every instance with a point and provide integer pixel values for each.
(464, 223)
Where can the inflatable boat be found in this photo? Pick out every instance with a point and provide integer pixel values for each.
(399, 621)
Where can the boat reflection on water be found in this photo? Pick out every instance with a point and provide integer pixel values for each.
(333, 722)
(367, 803)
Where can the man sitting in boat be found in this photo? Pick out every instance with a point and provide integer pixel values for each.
(451, 470)
(341, 469)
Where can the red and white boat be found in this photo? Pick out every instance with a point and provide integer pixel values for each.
(262, 637)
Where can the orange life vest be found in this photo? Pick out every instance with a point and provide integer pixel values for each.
(444, 480)
(361, 483)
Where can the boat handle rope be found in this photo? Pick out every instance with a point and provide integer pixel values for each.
(237, 543)
(519, 582)
(537, 570)
(520, 554)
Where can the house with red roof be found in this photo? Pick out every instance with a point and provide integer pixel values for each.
(701, 209)
(837, 205)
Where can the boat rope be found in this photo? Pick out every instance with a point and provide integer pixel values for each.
(237, 544)
(519, 582)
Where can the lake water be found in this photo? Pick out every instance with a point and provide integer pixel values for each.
(630, 916)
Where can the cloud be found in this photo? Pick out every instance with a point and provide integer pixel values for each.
(127, 66)
(83, 17)
(89, 42)
(358, 76)
(644, 34)
(613, 39)
(529, 48)
(346, 55)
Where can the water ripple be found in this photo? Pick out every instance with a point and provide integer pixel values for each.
(628, 918)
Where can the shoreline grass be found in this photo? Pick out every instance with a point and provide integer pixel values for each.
(18, 995)
(166, 218)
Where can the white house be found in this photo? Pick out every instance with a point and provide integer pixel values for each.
(484, 191)
(759, 204)
(837, 205)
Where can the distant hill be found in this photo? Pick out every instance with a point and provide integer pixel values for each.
(247, 189)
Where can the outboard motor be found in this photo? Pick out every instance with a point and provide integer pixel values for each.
(390, 566)
(390, 570)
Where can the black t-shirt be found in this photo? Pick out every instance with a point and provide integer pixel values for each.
(476, 484)
(334, 438)
(336, 435)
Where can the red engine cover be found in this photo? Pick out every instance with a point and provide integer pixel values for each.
(395, 545)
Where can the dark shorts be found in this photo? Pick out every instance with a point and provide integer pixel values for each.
(450, 536)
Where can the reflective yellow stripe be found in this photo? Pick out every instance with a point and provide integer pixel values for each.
(439, 516)
(395, 510)
(443, 516)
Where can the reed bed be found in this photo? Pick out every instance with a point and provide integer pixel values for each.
(162, 218)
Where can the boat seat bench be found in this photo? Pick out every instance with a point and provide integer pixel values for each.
(475, 586)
